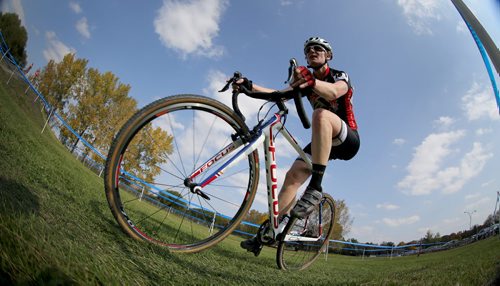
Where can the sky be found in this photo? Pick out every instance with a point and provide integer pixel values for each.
(423, 101)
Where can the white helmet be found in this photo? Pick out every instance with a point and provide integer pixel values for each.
(318, 41)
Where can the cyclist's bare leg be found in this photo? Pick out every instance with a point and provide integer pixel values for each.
(325, 126)
(295, 177)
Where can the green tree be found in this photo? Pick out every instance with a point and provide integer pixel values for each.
(60, 82)
(114, 108)
(343, 220)
(100, 105)
(95, 105)
(387, 243)
(175, 201)
(255, 216)
(431, 238)
(147, 152)
(492, 218)
(15, 36)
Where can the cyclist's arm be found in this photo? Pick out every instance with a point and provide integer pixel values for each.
(258, 88)
(330, 91)
(327, 90)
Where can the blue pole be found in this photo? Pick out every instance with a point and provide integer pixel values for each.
(484, 43)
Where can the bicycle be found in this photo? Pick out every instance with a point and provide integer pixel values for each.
(154, 196)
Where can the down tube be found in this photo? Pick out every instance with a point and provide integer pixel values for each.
(217, 157)
(242, 154)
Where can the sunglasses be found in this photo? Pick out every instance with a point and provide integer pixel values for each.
(316, 48)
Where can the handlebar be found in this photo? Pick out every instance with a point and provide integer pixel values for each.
(277, 96)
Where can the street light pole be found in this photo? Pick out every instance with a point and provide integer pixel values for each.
(470, 218)
(495, 211)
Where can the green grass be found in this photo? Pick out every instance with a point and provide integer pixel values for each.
(56, 228)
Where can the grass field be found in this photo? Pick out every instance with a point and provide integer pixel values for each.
(56, 228)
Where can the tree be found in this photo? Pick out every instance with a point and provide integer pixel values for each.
(95, 105)
(387, 243)
(100, 105)
(174, 201)
(430, 237)
(343, 220)
(15, 36)
(60, 82)
(115, 108)
(148, 150)
(353, 240)
(256, 217)
(492, 218)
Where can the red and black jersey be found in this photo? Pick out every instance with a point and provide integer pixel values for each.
(341, 106)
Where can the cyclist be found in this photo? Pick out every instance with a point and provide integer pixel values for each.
(334, 129)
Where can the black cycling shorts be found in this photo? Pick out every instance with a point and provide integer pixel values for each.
(344, 146)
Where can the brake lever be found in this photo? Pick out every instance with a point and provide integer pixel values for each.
(236, 76)
(291, 70)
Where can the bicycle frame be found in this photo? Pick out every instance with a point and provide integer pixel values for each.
(264, 135)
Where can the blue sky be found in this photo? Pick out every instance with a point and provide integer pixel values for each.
(423, 100)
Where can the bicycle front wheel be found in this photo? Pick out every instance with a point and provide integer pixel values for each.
(151, 164)
(303, 240)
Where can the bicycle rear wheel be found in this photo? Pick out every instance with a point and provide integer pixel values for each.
(153, 155)
(303, 240)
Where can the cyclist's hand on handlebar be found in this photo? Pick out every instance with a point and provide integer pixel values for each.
(303, 78)
(242, 82)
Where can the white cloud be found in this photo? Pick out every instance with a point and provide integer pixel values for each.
(82, 27)
(483, 131)
(453, 221)
(487, 184)
(395, 222)
(14, 6)
(453, 179)
(387, 206)
(479, 102)
(472, 196)
(462, 27)
(426, 172)
(444, 122)
(75, 7)
(479, 204)
(189, 27)
(427, 161)
(421, 13)
(248, 106)
(399, 141)
(56, 49)
(363, 231)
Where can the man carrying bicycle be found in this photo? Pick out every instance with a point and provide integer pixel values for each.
(334, 129)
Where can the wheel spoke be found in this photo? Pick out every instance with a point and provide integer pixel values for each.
(176, 145)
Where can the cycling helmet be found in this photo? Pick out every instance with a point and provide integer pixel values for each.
(318, 41)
